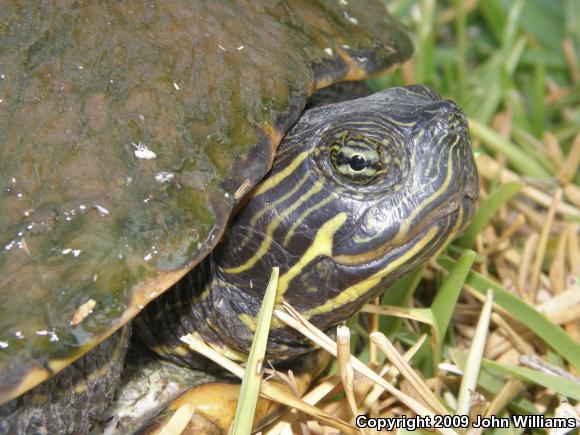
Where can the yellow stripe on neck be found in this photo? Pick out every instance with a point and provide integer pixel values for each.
(304, 215)
(275, 179)
(321, 245)
(359, 289)
(273, 226)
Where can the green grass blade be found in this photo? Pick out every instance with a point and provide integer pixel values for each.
(399, 294)
(525, 164)
(441, 311)
(490, 79)
(560, 385)
(511, 26)
(250, 389)
(538, 105)
(552, 334)
(444, 303)
(544, 19)
(425, 46)
(513, 100)
(461, 32)
(487, 210)
(473, 364)
(421, 315)
(492, 382)
(515, 54)
(494, 16)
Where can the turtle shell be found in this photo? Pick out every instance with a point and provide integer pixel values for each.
(128, 132)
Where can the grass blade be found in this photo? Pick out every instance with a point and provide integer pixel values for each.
(447, 296)
(473, 364)
(560, 385)
(515, 156)
(399, 294)
(250, 389)
(552, 334)
(487, 210)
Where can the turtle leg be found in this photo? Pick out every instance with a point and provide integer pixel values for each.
(71, 400)
(152, 389)
(148, 384)
(210, 408)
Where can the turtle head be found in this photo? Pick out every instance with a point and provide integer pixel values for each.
(360, 193)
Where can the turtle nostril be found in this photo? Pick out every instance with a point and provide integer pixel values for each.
(457, 120)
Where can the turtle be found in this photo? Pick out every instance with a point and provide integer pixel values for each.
(157, 159)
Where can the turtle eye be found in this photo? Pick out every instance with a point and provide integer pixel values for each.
(355, 160)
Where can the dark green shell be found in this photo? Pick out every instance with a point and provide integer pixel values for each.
(128, 131)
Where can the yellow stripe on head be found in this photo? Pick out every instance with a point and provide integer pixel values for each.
(357, 290)
(404, 229)
(275, 179)
(304, 215)
(321, 245)
(272, 226)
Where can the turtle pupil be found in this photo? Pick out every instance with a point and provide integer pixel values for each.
(357, 162)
